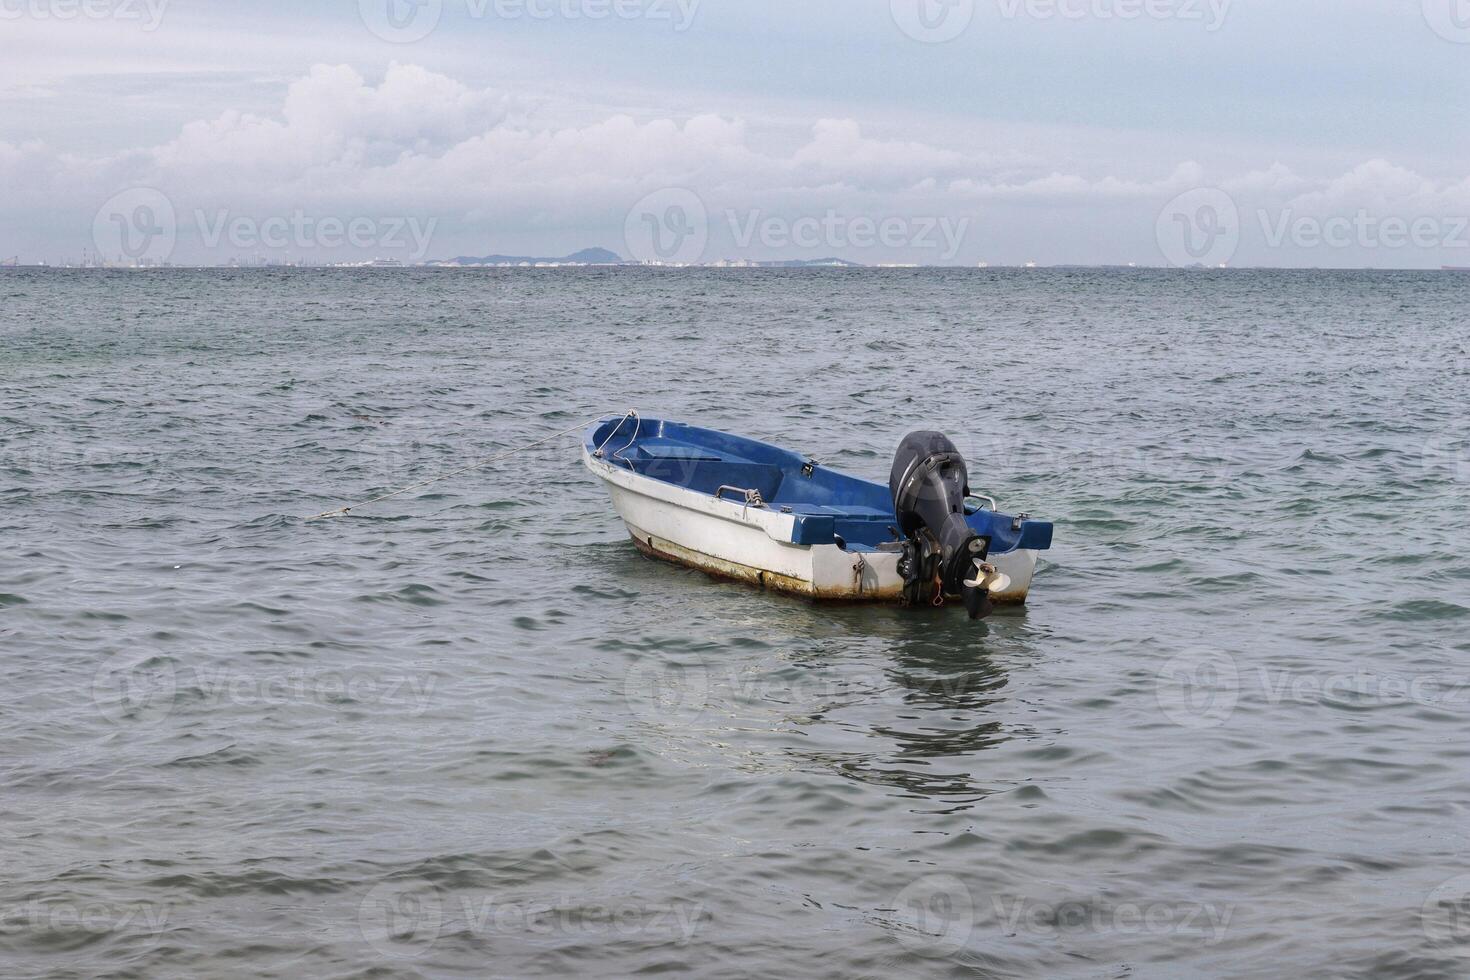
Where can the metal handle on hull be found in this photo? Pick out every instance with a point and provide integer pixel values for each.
(617, 456)
(979, 498)
(752, 497)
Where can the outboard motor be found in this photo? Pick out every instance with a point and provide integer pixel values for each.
(942, 555)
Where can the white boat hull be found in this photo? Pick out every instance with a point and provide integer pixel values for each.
(753, 544)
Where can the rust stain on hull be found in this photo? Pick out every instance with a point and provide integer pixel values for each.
(662, 550)
(719, 568)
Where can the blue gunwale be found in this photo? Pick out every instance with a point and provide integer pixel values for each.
(824, 505)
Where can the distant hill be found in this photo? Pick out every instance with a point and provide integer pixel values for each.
(588, 256)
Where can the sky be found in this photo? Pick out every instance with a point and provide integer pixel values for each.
(1309, 133)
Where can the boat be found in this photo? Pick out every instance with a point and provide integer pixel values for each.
(742, 509)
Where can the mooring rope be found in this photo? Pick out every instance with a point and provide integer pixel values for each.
(342, 511)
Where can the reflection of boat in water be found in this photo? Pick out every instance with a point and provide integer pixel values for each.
(940, 705)
(892, 701)
(743, 509)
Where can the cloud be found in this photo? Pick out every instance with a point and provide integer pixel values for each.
(1071, 189)
(334, 120)
(1383, 188)
(838, 151)
(419, 143)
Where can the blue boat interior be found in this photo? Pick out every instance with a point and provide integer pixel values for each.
(826, 504)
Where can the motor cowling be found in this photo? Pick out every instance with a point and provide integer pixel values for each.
(942, 554)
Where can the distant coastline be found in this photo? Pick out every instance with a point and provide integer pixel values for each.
(606, 258)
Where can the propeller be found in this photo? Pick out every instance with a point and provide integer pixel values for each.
(978, 590)
(988, 577)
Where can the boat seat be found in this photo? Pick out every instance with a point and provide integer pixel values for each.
(868, 513)
(706, 475)
(848, 511)
(673, 450)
